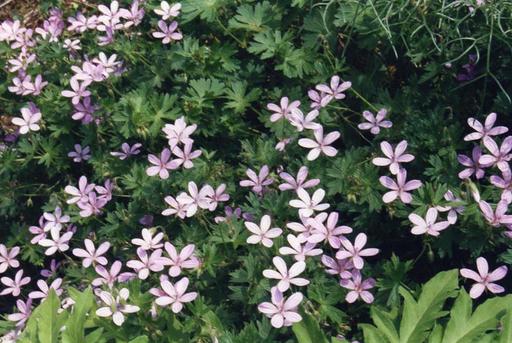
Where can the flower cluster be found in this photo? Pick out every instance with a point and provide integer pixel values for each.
(89, 197)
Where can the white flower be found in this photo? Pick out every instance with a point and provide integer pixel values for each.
(286, 276)
(262, 233)
(308, 205)
(116, 307)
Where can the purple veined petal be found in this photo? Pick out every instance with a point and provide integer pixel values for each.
(365, 126)
(387, 149)
(470, 274)
(466, 173)
(482, 266)
(367, 297)
(490, 120)
(267, 308)
(381, 161)
(277, 320)
(474, 136)
(476, 290)
(465, 160)
(390, 197)
(494, 288)
(351, 297)
(375, 130)
(475, 124)
(369, 117)
(498, 274)
(486, 210)
(388, 183)
(400, 148)
(498, 130)
(405, 158)
(487, 159)
(412, 185)
(491, 146)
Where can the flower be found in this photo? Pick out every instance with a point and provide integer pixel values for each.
(306, 204)
(154, 262)
(452, 211)
(281, 145)
(162, 164)
(218, 196)
(38, 231)
(44, 289)
(497, 217)
(282, 311)
(400, 188)
(185, 156)
(342, 268)
(297, 119)
(92, 205)
(484, 279)
(179, 132)
(110, 277)
(168, 33)
(375, 122)
(316, 99)
(148, 242)
(54, 265)
(175, 294)
(196, 198)
(286, 276)
(116, 307)
(393, 157)
(485, 130)
(81, 193)
(299, 250)
(55, 220)
(92, 255)
(184, 260)
(321, 144)
(504, 183)
(127, 151)
(167, 11)
(263, 233)
(57, 243)
(300, 182)
(499, 156)
(329, 233)
(334, 90)
(31, 115)
(25, 309)
(358, 288)
(8, 258)
(79, 91)
(80, 154)
(257, 182)
(176, 207)
(427, 225)
(355, 251)
(473, 164)
(13, 286)
(282, 110)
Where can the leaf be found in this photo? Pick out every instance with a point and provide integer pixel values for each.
(308, 330)
(419, 316)
(252, 18)
(268, 44)
(74, 332)
(238, 97)
(94, 336)
(140, 339)
(372, 334)
(506, 333)
(384, 323)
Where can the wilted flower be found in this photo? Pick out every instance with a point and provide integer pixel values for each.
(321, 144)
(452, 211)
(427, 225)
(286, 276)
(54, 265)
(282, 311)
(375, 122)
(116, 307)
(262, 233)
(484, 279)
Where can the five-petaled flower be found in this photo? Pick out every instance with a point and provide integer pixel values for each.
(355, 252)
(394, 157)
(175, 294)
(375, 122)
(282, 311)
(400, 188)
(8, 258)
(307, 204)
(92, 255)
(358, 288)
(286, 276)
(427, 225)
(116, 307)
(263, 233)
(484, 279)
(485, 130)
(30, 117)
(321, 144)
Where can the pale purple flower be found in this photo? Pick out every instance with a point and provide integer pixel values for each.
(110, 277)
(44, 289)
(30, 117)
(304, 228)
(148, 241)
(428, 224)
(162, 165)
(504, 183)
(499, 155)
(316, 99)
(38, 231)
(84, 111)
(283, 110)
(146, 263)
(81, 193)
(342, 268)
(80, 154)
(54, 266)
(473, 164)
(175, 295)
(110, 16)
(179, 132)
(400, 188)
(8, 258)
(355, 252)
(25, 310)
(281, 145)
(34, 88)
(301, 181)
(263, 233)
(127, 151)
(185, 156)
(257, 182)
(92, 206)
(147, 220)
(9, 30)
(176, 208)
(452, 211)
(299, 248)
(184, 260)
(358, 288)
(79, 91)
(13, 286)
(484, 279)
(282, 311)
(92, 255)
(167, 11)
(196, 198)
(116, 308)
(57, 243)
(105, 191)
(169, 32)
(334, 90)
(328, 232)
(307, 204)
(90, 72)
(286, 276)
(134, 15)
(298, 120)
(72, 45)
(485, 130)
(218, 195)
(21, 62)
(497, 217)
(80, 23)
(55, 220)
(109, 64)
(393, 157)
(321, 144)
(375, 122)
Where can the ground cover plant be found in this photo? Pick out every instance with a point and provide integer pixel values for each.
(265, 171)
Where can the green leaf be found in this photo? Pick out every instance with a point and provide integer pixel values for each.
(308, 330)
(372, 334)
(140, 339)
(252, 18)
(74, 332)
(385, 324)
(238, 97)
(95, 336)
(506, 333)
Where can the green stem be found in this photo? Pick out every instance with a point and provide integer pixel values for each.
(363, 99)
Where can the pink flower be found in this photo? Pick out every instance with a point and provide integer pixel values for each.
(179, 132)
(342, 268)
(184, 260)
(38, 231)
(355, 251)
(92, 255)
(316, 99)
(257, 182)
(298, 249)
(473, 165)
(263, 233)
(358, 288)
(497, 217)
(452, 211)
(57, 243)
(31, 116)
(281, 145)
(81, 193)
(175, 295)
(485, 130)
(400, 188)
(44, 289)
(110, 277)
(162, 164)
(504, 183)
(375, 122)
(80, 154)
(218, 196)
(282, 311)
(116, 307)
(393, 157)
(55, 220)
(79, 91)
(304, 228)
(334, 90)
(282, 110)
(14, 286)
(484, 279)
(92, 205)
(427, 225)
(499, 156)
(8, 258)
(167, 11)
(148, 241)
(330, 233)
(286, 276)
(127, 151)
(25, 309)
(168, 33)
(298, 120)
(306, 204)
(185, 156)
(154, 262)
(300, 182)
(196, 198)
(321, 144)
(176, 207)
